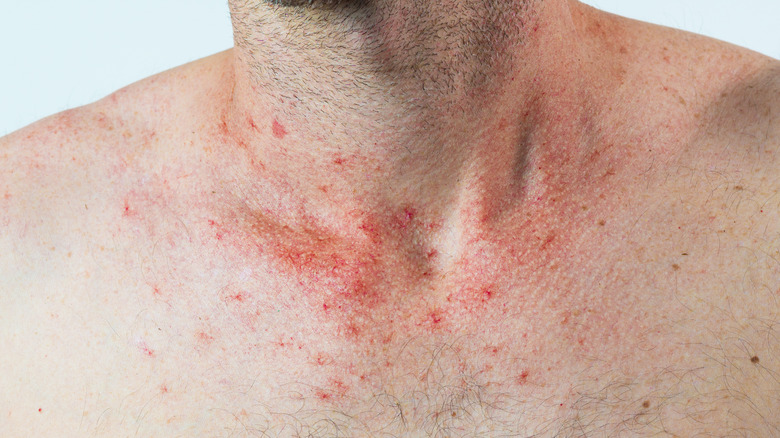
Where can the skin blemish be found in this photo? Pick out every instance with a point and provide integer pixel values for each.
(278, 130)
(522, 379)
(145, 349)
(127, 211)
(204, 338)
(337, 390)
(676, 267)
(251, 123)
(755, 359)
(238, 297)
(223, 127)
(646, 404)
(602, 223)
(40, 409)
(322, 359)
(219, 230)
(406, 217)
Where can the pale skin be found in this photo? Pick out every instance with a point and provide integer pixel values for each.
(395, 218)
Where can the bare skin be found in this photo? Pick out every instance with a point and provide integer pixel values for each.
(387, 219)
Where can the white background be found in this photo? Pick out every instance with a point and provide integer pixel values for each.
(59, 54)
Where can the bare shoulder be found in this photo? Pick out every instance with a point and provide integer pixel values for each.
(65, 162)
(64, 185)
(747, 110)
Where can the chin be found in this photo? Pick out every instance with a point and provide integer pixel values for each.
(299, 3)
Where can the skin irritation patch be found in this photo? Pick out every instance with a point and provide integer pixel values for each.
(354, 282)
(278, 130)
(345, 279)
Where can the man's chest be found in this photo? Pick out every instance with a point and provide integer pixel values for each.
(659, 317)
(640, 344)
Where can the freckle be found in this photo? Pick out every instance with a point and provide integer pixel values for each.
(676, 267)
(602, 223)
(755, 359)
(278, 130)
(646, 404)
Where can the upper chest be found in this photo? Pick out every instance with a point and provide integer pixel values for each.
(652, 315)
(647, 316)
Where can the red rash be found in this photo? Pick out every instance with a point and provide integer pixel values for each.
(278, 130)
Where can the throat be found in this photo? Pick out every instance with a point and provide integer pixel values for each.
(383, 114)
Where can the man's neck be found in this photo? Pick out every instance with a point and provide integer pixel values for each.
(410, 108)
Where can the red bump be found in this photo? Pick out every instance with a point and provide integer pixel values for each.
(146, 350)
(278, 130)
(127, 211)
(404, 219)
(522, 378)
(204, 338)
